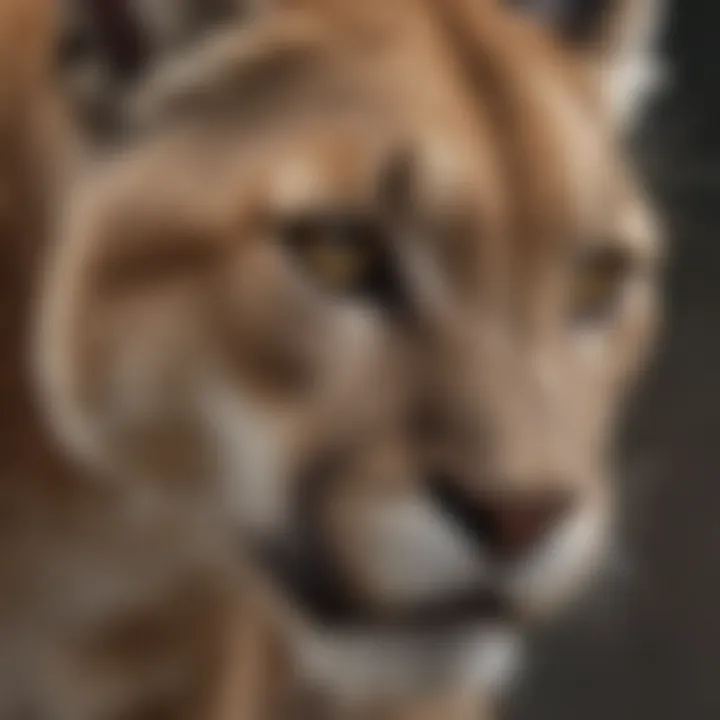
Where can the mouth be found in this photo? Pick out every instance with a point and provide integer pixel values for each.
(321, 595)
(342, 645)
(433, 559)
(432, 555)
(306, 571)
(303, 565)
(453, 613)
(503, 592)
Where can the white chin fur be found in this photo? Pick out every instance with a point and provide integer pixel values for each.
(557, 569)
(353, 667)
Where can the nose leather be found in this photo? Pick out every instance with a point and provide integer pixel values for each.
(508, 524)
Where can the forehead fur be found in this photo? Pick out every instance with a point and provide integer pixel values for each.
(540, 134)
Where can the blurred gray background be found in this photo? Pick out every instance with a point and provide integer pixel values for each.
(646, 645)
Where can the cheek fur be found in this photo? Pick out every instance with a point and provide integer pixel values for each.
(251, 461)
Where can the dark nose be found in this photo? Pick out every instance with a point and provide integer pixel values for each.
(508, 523)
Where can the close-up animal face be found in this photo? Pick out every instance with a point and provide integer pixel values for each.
(373, 281)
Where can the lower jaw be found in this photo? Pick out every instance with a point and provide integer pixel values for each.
(480, 657)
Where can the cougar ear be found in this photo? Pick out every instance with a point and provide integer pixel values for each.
(107, 47)
(621, 35)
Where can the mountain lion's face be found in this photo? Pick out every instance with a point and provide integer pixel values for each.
(378, 281)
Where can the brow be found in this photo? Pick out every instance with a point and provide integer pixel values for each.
(244, 69)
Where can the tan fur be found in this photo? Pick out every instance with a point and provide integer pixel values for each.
(195, 377)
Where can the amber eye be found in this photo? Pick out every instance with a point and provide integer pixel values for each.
(344, 255)
(337, 260)
(599, 278)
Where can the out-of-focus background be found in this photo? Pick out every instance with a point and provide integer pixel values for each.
(648, 647)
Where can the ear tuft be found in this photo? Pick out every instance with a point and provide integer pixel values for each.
(620, 34)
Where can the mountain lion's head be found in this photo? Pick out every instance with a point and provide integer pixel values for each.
(374, 279)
